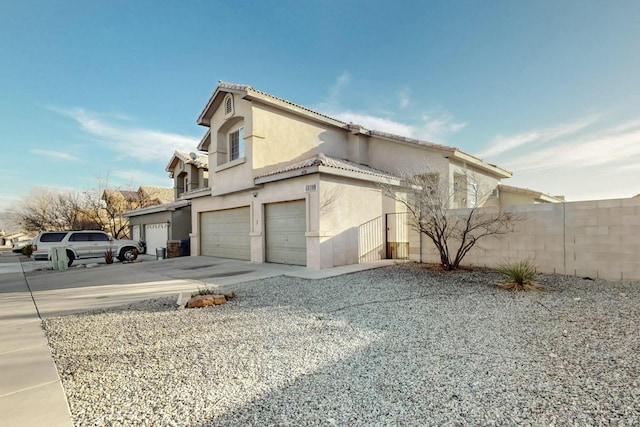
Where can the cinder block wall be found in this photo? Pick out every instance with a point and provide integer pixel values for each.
(599, 239)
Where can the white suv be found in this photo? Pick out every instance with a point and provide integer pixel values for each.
(84, 244)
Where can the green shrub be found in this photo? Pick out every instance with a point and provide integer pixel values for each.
(520, 276)
(203, 291)
(26, 250)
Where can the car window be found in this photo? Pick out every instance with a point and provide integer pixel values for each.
(52, 237)
(79, 237)
(99, 237)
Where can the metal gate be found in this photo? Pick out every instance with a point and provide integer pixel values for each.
(397, 225)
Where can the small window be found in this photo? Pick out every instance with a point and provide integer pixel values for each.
(79, 237)
(236, 144)
(52, 237)
(99, 237)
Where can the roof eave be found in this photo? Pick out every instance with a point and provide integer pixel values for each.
(253, 95)
(204, 119)
(205, 142)
(478, 163)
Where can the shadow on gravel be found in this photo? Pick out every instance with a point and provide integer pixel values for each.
(452, 349)
(399, 345)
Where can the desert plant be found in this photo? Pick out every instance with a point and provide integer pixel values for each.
(27, 250)
(520, 276)
(450, 215)
(203, 291)
(108, 257)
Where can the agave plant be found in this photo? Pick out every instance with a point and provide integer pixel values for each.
(520, 276)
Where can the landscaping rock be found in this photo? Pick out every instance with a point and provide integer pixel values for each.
(206, 301)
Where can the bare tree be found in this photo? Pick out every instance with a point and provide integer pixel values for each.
(430, 201)
(46, 209)
(106, 205)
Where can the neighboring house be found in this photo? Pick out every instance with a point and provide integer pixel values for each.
(117, 202)
(291, 185)
(170, 221)
(190, 172)
(508, 195)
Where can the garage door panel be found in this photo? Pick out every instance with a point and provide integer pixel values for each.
(285, 233)
(155, 237)
(225, 233)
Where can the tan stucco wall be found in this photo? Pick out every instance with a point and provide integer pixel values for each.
(508, 198)
(404, 158)
(240, 175)
(594, 238)
(282, 137)
(343, 217)
(349, 211)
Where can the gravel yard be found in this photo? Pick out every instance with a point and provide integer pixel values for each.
(402, 345)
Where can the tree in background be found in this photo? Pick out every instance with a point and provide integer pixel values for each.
(47, 209)
(99, 208)
(431, 202)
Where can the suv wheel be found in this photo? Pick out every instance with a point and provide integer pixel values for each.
(128, 254)
(71, 258)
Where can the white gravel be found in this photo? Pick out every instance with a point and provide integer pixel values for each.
(402, 345)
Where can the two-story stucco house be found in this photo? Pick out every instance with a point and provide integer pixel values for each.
(291, 185)
(170, 221)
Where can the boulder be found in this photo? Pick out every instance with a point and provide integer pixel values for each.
(206, 301)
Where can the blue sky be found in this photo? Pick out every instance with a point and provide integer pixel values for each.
(547, 89)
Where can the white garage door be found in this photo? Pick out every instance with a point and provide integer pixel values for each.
(226, 233)
(285, 232)
(155, 236)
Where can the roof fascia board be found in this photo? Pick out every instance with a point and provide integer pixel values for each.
(205, 141)
(474, 161)
(412, 143)
(227, 191)
(157, 208)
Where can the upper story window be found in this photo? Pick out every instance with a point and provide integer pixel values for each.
(228, 105)
(236, 144)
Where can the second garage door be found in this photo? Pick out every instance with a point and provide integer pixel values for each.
(286, 224)
(226, 233)
(155, 236)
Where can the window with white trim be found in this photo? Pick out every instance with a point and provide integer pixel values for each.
(236, 144)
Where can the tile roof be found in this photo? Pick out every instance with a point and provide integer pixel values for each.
(201, 160)
(248, 88)
(358, 128)
(162, 194)
(331, 162)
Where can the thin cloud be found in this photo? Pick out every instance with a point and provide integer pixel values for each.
(375, 123)
(436, 126)
(502, 144)
(55, 154)
(140, 143)
(612, 149)
(404, 98)
(133, 176)
(576, 159)
(335, 91)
